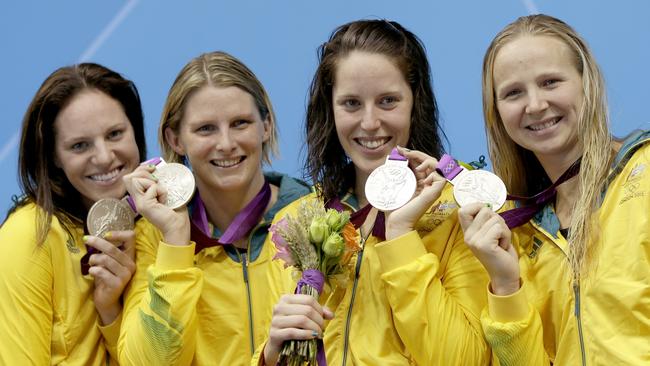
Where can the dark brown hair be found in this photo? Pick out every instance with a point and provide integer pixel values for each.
(41, 181)
(326, 162)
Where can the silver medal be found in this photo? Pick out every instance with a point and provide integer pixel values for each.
(479, 186)
(109, 214)
(178, 180)
(391, 185)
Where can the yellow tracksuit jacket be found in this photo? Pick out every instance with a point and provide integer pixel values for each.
(212, 308)
(413, 300)
(605, 318)
(47, 314)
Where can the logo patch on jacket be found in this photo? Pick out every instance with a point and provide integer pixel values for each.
(435, 216)
(72, 247)
(632, 184)
(537, 243)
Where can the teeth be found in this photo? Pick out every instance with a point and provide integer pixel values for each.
(226, 163)
(372, 144)
(105, 177)
(544, 125)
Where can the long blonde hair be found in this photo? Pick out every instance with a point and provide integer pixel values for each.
(519, 168)
(217, 69)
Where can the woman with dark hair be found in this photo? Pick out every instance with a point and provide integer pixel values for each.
(570, 270)
(82, 132)
(414, 295)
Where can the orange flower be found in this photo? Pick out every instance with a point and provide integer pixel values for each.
(352, 245)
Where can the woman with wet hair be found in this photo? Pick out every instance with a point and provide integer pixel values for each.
(569, 271)
(414, 292)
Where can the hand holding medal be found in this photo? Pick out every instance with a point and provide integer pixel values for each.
(160, 192)
(479, 195)
(110, 214)
(416, 198)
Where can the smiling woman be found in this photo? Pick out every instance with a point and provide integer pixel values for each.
(414, 294)
(95, 156)
(81, 134)
(206, 280)
(570, 285)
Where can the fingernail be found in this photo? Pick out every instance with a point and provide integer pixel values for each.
(85, 238)
(488, 205)
(314, 333)
(108, 235)
(153, 176)
(151, 165)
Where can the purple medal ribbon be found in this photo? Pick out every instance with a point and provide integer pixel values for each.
(520, 215)
(315, 279)
(241, 225)
(448, 167)
(357, 218)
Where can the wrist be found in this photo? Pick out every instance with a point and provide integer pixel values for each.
(505, 287)
(393, 231)
(108, 314)
(268, 357)
(178, 233)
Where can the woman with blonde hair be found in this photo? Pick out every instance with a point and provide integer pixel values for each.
(570, 283)
(205, 281)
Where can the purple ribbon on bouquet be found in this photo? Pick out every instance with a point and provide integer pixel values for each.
(520, 215)
(357, 218)
(315, 279)
(240, 226)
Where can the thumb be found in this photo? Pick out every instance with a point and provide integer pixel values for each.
(505, 239)
(327, 313)
(467, 213)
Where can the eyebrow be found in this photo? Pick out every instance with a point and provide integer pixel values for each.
(82, 137)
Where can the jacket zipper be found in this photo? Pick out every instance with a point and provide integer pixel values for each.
(357, 269)
(244, 266)
(576, 292)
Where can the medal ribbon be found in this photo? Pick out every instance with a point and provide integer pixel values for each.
(520, 215)
(241, 225)
(358, 217)
(448, 167)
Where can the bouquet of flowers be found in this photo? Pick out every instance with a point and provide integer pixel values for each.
(319, 243)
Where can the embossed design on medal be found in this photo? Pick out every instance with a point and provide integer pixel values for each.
(472, 186)
(391, 185)
(479, 186)
(179, 182)
(109, 214)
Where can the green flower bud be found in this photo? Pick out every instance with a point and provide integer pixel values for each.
(318, 230)
(334, 245)
(336, 220)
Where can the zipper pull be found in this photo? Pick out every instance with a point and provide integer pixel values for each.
(576, 295)
(244, 266)
(357, 267)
